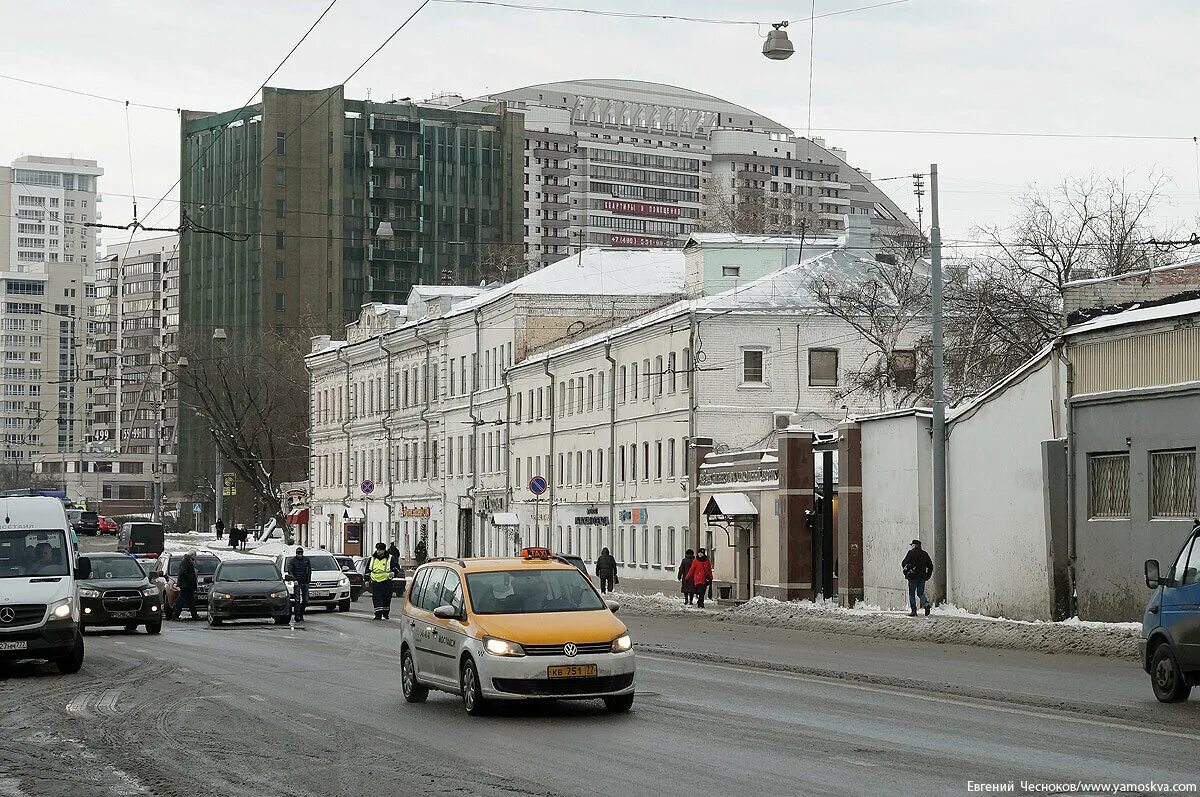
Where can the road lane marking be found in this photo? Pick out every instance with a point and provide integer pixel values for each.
(107, 704)
(908, 693)
(78, 705)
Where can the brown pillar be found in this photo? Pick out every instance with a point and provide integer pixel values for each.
(850, 515)
(698, 449)
(796, 483)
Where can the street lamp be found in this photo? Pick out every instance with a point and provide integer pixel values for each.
(778, 47)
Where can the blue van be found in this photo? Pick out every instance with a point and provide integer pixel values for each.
(1170, 643)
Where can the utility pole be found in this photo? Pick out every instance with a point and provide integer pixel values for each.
(939, 393)
(218, 483)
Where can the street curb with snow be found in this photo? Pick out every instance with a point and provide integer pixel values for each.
(947, 625)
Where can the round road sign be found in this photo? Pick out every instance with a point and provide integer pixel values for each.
(538, 485)
(368, 486)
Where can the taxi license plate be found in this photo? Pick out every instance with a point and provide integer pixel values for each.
(122, 615)
(573, 671)
(21, 645)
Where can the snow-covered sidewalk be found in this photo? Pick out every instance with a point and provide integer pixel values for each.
(946, 625)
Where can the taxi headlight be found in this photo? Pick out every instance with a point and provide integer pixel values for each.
(502, 647)
(622, 644)
(89, 593)
(61, 609)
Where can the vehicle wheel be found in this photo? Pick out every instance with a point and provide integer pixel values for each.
(413, 691)
(73, 661)
(472, 690)
(82, 629)
(344, 606)
(282, 619)
(154, 626)
(213, 620)
(1166, 677)
(131, 627)
(619, 704)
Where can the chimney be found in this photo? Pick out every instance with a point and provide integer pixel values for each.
(858, 232)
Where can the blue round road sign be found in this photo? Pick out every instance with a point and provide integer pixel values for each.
(368, 486)
(538, 485)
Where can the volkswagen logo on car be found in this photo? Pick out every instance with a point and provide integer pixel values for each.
(570, 650)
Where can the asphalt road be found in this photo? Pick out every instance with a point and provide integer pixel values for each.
(255, 709)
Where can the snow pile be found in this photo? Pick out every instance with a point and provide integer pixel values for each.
(948, 625)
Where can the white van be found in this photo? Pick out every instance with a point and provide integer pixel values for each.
(330, 586)
(39, 608)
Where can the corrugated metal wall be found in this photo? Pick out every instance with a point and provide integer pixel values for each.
(1152, 359)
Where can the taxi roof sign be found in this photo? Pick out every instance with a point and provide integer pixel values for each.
(536, 553)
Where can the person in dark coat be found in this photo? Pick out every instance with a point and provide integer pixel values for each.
(394, 555)
(917, 568)
(187, 582)
(380, 572)
(606, 570)
(220, 528)
(700, 575)
(299, 567)
(685, 586)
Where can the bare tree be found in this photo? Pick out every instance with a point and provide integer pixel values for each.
(889, 309)
(755, 212)
(501, 262)
(1007, 301)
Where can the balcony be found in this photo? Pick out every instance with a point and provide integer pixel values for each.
(399, 225)
(379, 192)
(835, 185)
(556, 171)
(558, 224)
(376, 122)
(376, 254)
(545, 152)
(394, 162)
(549, 205)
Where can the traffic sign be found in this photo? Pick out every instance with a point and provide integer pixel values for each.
(197, 508)
(367, 486)
(538, 485)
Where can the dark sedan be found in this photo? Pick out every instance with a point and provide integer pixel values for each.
(357, 583)
(245, 589)
(118, 593)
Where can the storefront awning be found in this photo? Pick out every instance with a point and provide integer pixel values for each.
(731, 505)
(505, 519)
(298, 517)
(350, 513)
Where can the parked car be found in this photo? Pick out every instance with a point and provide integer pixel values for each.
(399, 582)
(165, 573)
(84, 521)
(107, 525)
(141, 538)
(578, 562)
(357, 584)
(118, 593)
(329, 587)
(1170, 642)
(249, 588)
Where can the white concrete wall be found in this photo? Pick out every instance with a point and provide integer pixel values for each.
(997, 539)
(896, 501)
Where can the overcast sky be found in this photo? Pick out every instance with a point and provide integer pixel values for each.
(1020, 66)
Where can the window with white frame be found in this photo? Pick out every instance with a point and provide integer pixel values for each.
(753, 366)
(823, 367)
(1108, 485)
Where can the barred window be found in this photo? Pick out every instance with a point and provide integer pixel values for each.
(1108, 485)
(1173, 483)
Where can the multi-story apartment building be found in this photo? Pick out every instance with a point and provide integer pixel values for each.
(631, 163)
(47, 267)
(134, 406)
(328, 203)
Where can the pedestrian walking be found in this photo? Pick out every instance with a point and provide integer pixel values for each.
(220, 526)
(685, 586)
(186, 581)
(606, 570)
(379, 568)
(394, 556)
(700, 576)
(917, 568)
(299, 567)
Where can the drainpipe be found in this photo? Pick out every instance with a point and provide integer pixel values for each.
(429, 397)
(508, 425)
(474, 486)
(612, 438)
(552, 478)
(1069, 427)
(690, 383)
(389, 502)
(346, 426)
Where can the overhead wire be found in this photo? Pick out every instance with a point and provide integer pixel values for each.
(663, 17)
(92, 95)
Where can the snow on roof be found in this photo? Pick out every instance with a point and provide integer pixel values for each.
(379, 308)
(737, 239)
(446, 290)
(1143, 315)
(1145, 273)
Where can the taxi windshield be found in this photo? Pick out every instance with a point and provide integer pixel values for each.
(531, 591)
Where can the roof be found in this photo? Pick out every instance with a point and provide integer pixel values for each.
(1145, 273)
(737, 239)
(1144, 315)
(491, 564)
(446, 290)
(730, 504)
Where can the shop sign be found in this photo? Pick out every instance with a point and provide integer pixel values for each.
(738, 476)
(592, 518)
(639, 515)
(641, 209)
(414, 511)
(640, 241)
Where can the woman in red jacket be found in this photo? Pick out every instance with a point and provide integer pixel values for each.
(700, 575)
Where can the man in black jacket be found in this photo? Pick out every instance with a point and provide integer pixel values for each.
(917, 568)
(187, 581)
(299, 567)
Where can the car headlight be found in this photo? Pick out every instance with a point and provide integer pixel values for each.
(279, 595)
(502, 647)
(61, 609)
(89, 593)
(149, 592)
(345, 582)
(222, 596)
(622, 644)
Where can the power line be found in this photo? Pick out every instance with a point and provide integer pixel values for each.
(661, 17)
(87, 94)
(1003, 134)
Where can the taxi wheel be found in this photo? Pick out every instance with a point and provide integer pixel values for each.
(413, 691)
(619, 704)
(472, 691)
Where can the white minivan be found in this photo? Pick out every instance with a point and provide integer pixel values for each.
(39, 608)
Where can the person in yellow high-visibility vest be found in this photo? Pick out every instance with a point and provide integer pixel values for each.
(380, 570)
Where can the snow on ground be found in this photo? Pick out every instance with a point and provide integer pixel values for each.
(947, 624)
(207, 543)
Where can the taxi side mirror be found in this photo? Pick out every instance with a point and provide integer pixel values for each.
(613, 606)
(447, 612)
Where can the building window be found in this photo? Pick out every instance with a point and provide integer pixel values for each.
(752, 367)
(278, 240)
(822, 367)
(671, 372)
(1108, 485)
(1173, 484)
(904, 368)
(279, 270)
(280, 208)
(731, 271)
(280, 141)
(279, 301)
(280, 177)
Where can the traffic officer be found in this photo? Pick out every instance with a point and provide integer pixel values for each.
(380, 569)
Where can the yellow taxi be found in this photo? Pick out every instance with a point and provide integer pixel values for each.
(529, 627)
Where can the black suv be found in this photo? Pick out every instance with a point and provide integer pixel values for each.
(84, 522)
(118, 593)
